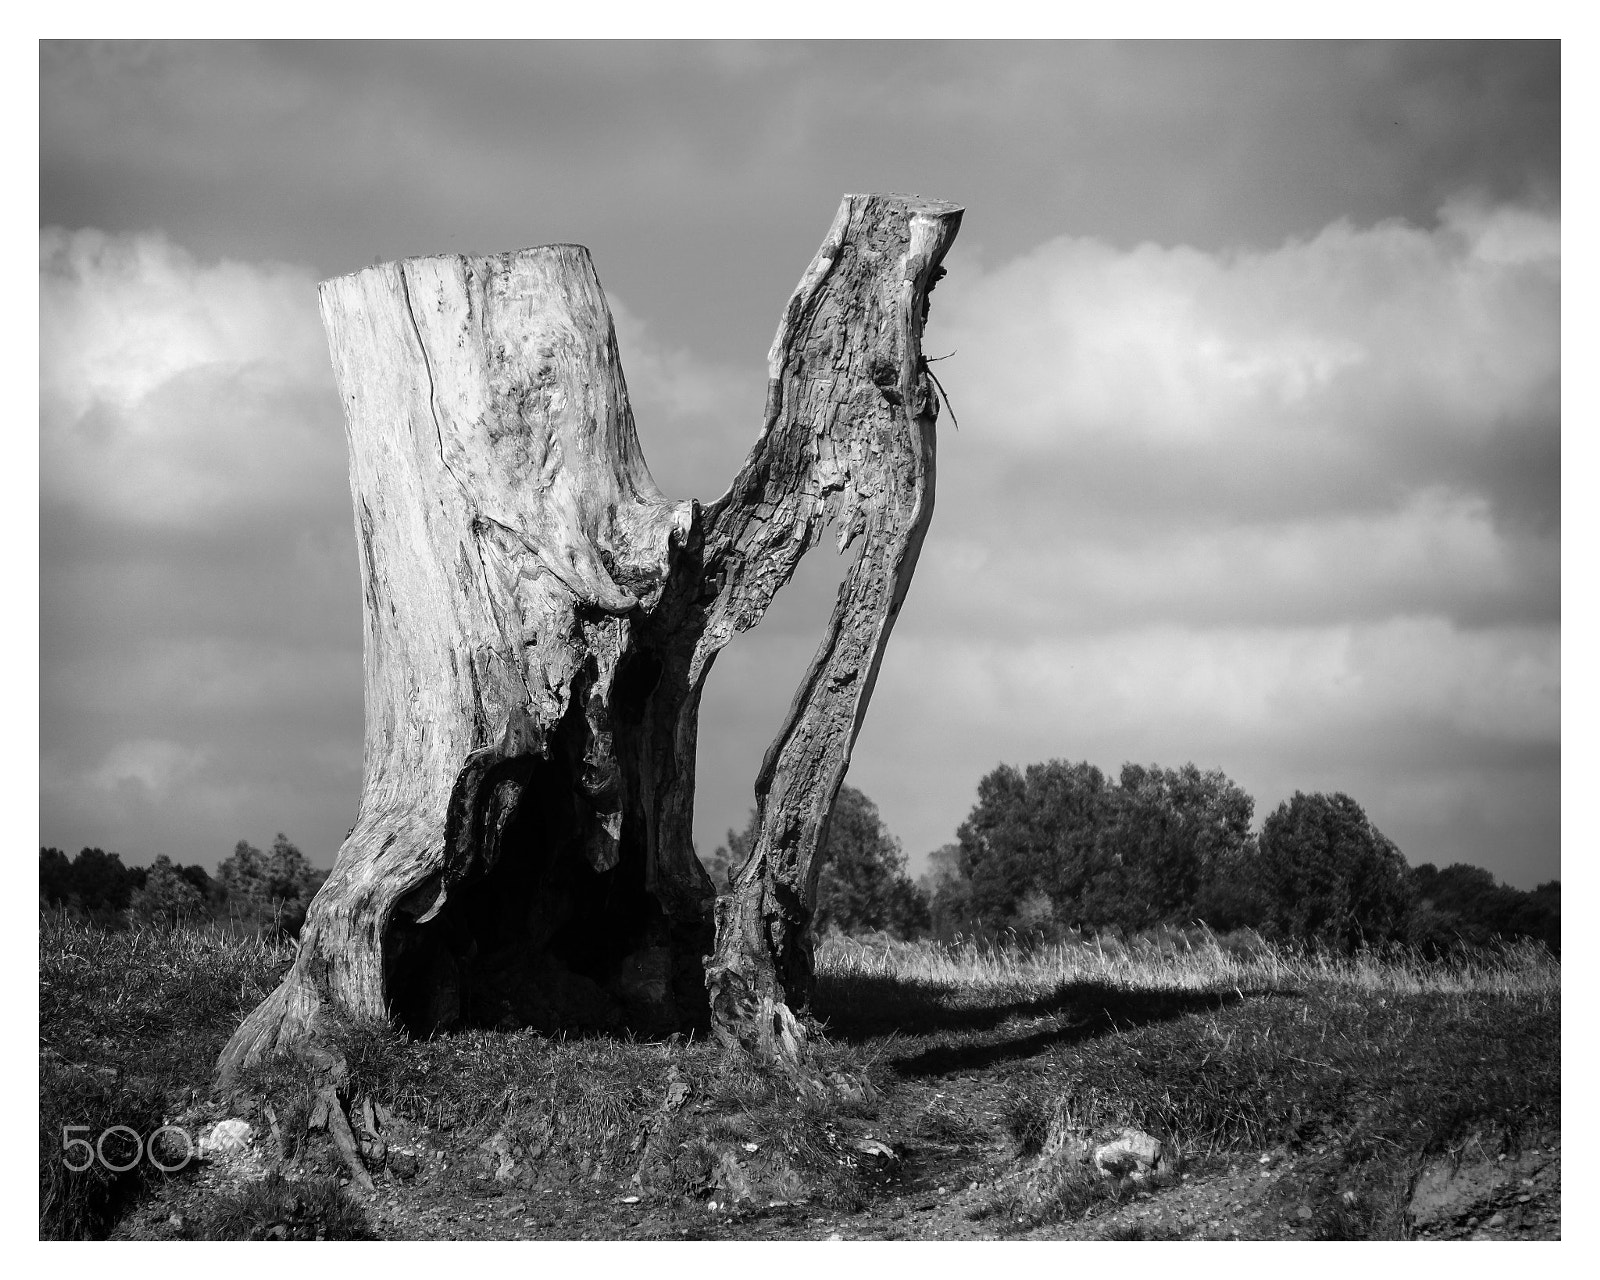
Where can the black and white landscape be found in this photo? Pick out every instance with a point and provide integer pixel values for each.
(1197, 870)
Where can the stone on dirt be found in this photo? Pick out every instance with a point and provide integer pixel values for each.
(1132, 1153)
(731, 1179)
(499, 1147)
(224, 1137)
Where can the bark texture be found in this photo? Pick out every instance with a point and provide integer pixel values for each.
(539, 624)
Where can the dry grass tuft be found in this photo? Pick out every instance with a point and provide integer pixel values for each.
(130, 1023)
(977, 973)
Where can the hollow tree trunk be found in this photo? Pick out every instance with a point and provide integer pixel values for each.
(539, 624)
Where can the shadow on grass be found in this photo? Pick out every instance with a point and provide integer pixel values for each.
(971, 1038)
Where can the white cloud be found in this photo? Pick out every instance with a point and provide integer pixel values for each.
(175, 392)
(696, 420)
(1438, 550)
(154, 766)
(207, 678)
(1271, 687)
(122, 314)
(1358, 332)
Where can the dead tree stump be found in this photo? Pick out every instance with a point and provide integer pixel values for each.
(540, 621)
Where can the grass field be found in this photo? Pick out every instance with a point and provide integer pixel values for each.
(948, 1093)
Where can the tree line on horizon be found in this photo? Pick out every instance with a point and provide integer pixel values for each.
(1060, 849)
(1053, 850)
(257, 889)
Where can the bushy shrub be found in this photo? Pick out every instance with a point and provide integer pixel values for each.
(720, 863)
(167, 897)
(1329, 876)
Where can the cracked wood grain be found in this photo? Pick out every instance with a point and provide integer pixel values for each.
(539, 622)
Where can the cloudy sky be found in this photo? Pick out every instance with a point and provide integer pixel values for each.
(1256, 364)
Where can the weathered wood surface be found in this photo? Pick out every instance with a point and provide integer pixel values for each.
(540, 621)
(849, 437)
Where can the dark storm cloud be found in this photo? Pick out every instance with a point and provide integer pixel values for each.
(1256, 364)
(702, 175)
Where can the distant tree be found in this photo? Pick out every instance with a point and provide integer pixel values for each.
(1330, 876)
(274, 887)
(167, 897)
(100, 883)
(1059, 845)
(944, 867)
(948, 893)
(1034, 832)
(1466, 904)
(862, 884)
(1460, 887)
(908, 915)
(1209, 818)
(281, 873)
(727, 858)
(1232, 896)
(203, 884)
(55, 877)
(1167, 833)
(1540, 916)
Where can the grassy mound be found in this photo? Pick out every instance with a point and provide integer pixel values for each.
(130, 1023)
(929, 1064)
